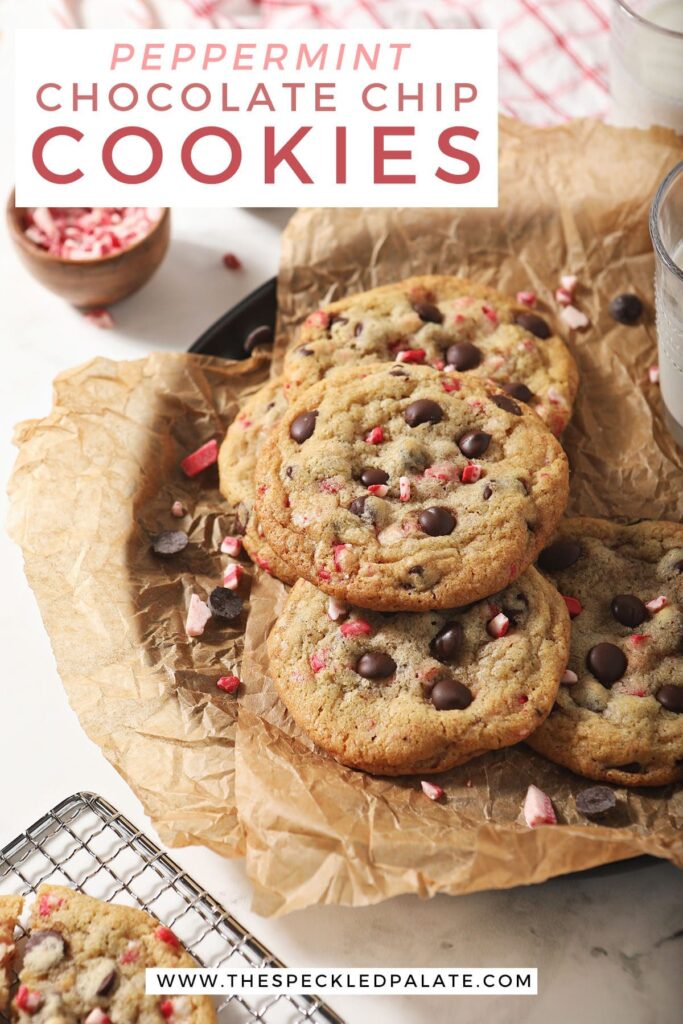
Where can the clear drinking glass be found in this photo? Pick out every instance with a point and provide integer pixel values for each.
(646, 63)
(666, 230)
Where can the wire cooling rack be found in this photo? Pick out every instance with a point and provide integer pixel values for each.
(87, 844)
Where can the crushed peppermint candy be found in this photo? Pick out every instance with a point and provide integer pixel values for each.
(198, 615)
(355, 627)
(653, 374)
(378, 490)
(200, 459)
(97, 1016)
(49, 902)
(451, 385)
(131, 953)
(166, 1008)
(411, 355)
(431, 790)
(471, 474)
(178, 509)
(527, 299)
(229, 684)
(89, 233)
(573, 317)
(336, 609)
(656, 604)
(27, 999)
(538, 808)
(569, 677)
(232, 262)
(100, 317)
(318, 660)
(569, 282)
(231, 546)
(498, 626)
(319, 319)
(164, 934)
(574, 606)
(563, 296)
(403, 488)
(375, 436)
(232, 576)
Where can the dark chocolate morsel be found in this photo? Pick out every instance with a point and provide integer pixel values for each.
(474, 443)
(357, 506)
(303, 426)
(626, 309)
(358, 329)
(533, 323)
(464, 356)
(375, 665)
(519, 391)
(447, 643)
(629, 610)
(487, 492)
(671, 697)
(224, 604)
(397, 372)
(371, 476)
(437, 521)
(259, 336)
(108, 984)
(37, 938)
(607, 662)
(424, 410)
(559, 556)
(596, 801)
(303, 350)
(428, 312)
(450, 695)
(170, 542)
(506, 403)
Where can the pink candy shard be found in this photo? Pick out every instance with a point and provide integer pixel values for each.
(569, 677)
(563, 296)
(498, 626)
(653, 374)
(319, 319)
(375, 436)
(97, 1016)
(100, 317)
(379, 490)
(336, 609)
(569, 282)
(318, 660)
(231, 546)
(490, 314)
(198, 615)
(229, 684)
(355, 627)
(538, 808)
(573, 317)
(89, 233)
(470, 474)
(178, 509)
(431, 790)
(403, 488)
(232, 576)
(411, 355)
(656, 604)
(200, 459)
(527, 299)
(451, 385)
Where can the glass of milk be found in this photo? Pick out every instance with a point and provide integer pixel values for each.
(666, 229)
(646, 63)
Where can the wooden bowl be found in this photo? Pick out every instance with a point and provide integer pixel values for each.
(89, 283)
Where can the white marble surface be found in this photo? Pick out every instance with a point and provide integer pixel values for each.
(608, 948)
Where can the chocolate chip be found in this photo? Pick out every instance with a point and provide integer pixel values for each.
(108, 984)
(519, 391)
(303, 426)
(474, 443)
(533, 323)
(259, 336)
(607, 662)
(437, 521)
(628, 609)
(428, 312)
(289, 471)
(370, 476)
(170, 542)
(357, 506)
(464, 356)
(424, 410)
(450, 695)
(671, 697)
(304, 351)
(626, 309)
(375, 665)
(447, 643)
(398, 372)
(559, 556)
(487, 492)
(224, 604)
(39, 937)
(596, 801)
(506, 403)
(358, 329)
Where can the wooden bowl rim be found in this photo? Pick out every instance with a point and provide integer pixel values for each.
(35, 251)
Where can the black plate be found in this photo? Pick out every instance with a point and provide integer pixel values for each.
(226, 336)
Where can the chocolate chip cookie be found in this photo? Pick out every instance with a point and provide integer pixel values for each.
(449, 323)
(396, 489)
(397, 694)
(10, 909)
(237, 461)
(85, 961)
(619, 712)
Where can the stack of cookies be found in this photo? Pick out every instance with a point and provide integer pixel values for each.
(404, 476)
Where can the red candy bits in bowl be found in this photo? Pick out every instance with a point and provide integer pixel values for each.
(90, 256)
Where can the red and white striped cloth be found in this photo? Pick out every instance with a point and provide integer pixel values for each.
(553, 53)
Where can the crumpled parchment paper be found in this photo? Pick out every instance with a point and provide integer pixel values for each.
(97, 477)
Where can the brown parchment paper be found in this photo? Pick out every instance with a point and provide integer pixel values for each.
(93, 481)
(573, 199)
(97, 477)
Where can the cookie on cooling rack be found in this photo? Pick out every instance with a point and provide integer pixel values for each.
(10, 909)
(85, 960)
(446, 322)
(395, 489)
(404, 693)
(619, 713)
